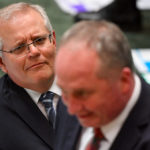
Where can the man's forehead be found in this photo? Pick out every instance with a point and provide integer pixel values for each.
(76, 57)
(74, 64)
(76, 50)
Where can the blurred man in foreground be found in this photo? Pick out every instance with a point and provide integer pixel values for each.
(95, 71)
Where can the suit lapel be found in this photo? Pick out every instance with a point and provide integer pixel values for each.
(127, 138)
(67, 129)
(21, 103)
(72, 134)
(135, 124)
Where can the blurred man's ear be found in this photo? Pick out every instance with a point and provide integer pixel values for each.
(126, 80)
(2, 65)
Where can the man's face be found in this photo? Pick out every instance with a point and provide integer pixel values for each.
(35, 70)
(94, 100)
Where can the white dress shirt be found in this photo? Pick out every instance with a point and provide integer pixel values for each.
(111, 130)
(36, 95)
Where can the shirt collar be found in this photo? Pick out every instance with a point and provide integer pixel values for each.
(111, 130)
(55, 89)
(36, 95)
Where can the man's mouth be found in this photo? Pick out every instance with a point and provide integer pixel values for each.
(36, 65)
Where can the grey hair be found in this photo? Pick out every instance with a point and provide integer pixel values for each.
(105, 38)
(7, 12)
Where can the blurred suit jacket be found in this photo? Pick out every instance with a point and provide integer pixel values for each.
(134, 135)
(22, 125)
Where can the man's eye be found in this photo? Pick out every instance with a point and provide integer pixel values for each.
(40, 40)
(81, 94)
(19, 48)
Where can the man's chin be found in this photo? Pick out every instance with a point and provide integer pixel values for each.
(85, 123)
(42, 76)
(89, 123)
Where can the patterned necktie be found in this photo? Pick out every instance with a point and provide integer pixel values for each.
(95, 142)
(47, 100)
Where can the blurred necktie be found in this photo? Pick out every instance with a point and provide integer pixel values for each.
(95, 142)
(47, 100)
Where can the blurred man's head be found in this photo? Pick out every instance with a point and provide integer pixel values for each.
(94, 69)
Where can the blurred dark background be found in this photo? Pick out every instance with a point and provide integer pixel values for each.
(62, 21)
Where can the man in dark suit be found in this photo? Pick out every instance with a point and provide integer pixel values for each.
(28, 46)
(101, 89)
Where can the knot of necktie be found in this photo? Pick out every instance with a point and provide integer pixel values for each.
(47, 100)
(95, 142)
(98, 134)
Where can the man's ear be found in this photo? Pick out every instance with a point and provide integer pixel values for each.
(2, 65)
(127, 80)
(54, 38)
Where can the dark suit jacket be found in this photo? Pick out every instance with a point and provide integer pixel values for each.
(22, 125)
(134, 135)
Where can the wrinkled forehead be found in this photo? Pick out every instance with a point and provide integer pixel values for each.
(20, 28)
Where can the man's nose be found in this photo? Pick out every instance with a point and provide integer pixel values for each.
(33, 50)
